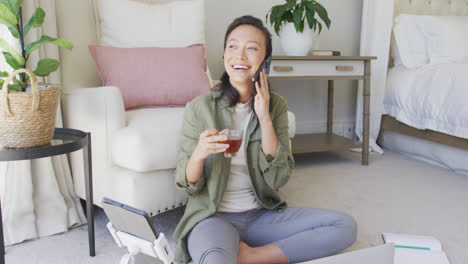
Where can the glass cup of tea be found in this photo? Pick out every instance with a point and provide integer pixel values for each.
(234, 140)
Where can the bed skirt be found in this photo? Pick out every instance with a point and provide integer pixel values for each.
(437, 154)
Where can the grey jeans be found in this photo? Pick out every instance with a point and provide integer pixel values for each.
(301, 233)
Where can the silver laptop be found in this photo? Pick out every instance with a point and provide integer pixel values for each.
(382, 254)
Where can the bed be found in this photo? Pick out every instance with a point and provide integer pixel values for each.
(425, 101)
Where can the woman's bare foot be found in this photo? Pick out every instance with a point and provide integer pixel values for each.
(244, 253)
(268, 254)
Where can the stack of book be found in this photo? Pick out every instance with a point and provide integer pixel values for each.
(325, 53)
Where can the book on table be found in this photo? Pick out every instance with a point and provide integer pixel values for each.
(416, 249)
(325, 53)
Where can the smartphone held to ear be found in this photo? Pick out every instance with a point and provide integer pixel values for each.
(265, 65)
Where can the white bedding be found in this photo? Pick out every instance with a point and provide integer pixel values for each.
(431, 97)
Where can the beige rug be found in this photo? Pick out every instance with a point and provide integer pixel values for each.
(394, 193)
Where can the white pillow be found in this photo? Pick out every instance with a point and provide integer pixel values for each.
(447, 38)
(410, 41)
(395, 53)
(131, 24)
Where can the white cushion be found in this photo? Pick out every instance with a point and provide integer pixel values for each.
(151, 139)
(292, 124)
(447, 38)
(422, 40)
(410, 43)
(167, 24)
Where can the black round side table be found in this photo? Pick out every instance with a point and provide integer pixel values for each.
(65, 140)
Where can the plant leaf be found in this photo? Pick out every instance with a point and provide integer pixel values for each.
(24, 84)
(277, 27)
(322, 12)
(310, 14)
(10, 86)
(287, 17)
(8, 48)
(277, 13)
(11, 61)
(297, 19)
(7, 17)
(267, 14)
(14, 32)
(320, 27)
(310, 17)
(46, 66)
(36, 20)
(46, 39)
(273, 12)
(4, 74)
(282, 10)
(301, 26)
(276, 17)
(13, 5)
(290, 4)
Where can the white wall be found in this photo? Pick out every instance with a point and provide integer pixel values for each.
(307, 99)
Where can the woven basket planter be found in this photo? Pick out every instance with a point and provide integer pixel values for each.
(27, 119)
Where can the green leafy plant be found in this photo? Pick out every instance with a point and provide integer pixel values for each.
(297, 12)
(11, 16)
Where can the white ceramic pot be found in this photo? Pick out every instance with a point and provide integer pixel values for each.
(296, 44)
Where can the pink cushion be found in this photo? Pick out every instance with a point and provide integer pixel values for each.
(151, 77)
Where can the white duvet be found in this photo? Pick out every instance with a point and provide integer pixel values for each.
(430, 97)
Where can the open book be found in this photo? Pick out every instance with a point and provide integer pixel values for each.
(411, 249)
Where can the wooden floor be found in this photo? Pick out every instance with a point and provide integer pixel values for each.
(306, 143)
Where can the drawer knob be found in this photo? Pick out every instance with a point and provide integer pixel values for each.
(344, 68)
(283, 68)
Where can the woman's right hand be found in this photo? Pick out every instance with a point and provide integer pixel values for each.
(208, 143)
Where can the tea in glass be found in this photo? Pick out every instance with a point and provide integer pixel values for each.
(234, 140)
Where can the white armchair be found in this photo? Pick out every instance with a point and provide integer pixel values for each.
(130, 160)
(133, 152)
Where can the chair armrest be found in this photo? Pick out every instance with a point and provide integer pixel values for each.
(97, 110)
(292, 124)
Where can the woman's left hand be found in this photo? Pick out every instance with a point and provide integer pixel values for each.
(262, 99)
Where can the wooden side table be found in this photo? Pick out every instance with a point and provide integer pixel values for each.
(327, 68)
(65, 140)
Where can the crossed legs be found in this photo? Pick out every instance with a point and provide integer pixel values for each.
(295, 235)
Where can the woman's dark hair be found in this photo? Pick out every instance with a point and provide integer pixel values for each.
(225, 88)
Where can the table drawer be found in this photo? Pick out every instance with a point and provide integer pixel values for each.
(293, 68)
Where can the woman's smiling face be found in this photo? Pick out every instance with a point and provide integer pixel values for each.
(244, 52)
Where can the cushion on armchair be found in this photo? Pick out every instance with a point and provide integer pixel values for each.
(158, 23)
(150, 141)
(149, 77)
(152, 24)
(292, 124)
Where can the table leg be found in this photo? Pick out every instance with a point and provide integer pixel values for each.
(88, 170)
(2, 246)
(366, 113)
(331, 87)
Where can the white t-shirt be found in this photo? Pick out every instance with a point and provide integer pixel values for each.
(239, 195)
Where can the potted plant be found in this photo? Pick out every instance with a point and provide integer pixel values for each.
(296, 21)
(11, 16)
(27, 118)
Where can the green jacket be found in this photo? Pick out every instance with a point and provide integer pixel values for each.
(267, 173)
